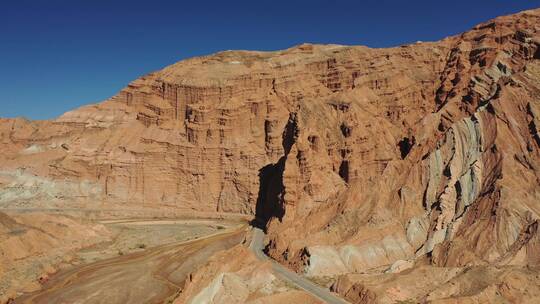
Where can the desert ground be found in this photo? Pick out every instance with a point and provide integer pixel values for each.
(41, 264)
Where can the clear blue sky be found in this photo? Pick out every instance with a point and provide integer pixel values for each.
(59, 55)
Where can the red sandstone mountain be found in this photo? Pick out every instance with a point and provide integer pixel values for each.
(360, 162)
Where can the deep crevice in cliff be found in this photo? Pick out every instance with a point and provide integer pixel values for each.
(405, 146)
(269, 200)
(344, 170)
(269, 197)
(532, 125)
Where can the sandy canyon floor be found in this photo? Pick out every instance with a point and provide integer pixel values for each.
(103, 256)
(113, 260)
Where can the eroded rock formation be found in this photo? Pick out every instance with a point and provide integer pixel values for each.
(236, 276)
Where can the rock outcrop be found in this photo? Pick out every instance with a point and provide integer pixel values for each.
(455, 178)
(464, 189)
(213, 133)
(236, 276)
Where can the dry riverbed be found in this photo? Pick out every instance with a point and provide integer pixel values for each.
(55, 258)
(138, 235)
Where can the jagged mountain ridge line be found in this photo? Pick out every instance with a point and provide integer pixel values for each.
(151, 114)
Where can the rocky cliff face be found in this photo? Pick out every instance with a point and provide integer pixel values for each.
(449, 168)
(353, 158)
(213, 133)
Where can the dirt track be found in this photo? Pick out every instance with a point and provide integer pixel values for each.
(150, 276)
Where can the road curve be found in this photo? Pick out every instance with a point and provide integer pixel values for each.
(257, 246)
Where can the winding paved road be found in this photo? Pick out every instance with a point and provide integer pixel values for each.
(257, 246)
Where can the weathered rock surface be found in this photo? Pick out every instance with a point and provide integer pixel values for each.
(464, 192)
(428, 284)
(459, 182)
(236, 276)
(353, 158)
